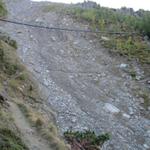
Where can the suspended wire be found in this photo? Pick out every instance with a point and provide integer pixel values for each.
(63, 29)
(66, 29)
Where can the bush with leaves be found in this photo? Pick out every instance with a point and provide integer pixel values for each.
(86, 140)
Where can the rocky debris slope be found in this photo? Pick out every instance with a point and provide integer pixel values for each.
(86, 86)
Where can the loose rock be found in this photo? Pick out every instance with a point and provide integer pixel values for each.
(111, 108)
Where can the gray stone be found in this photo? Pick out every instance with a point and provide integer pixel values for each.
(105, 38)
(47, 71)
(74, 120)
(126, 116)
(111, 108)
(146, 146)
(123, 65)
(148, 132)
(148, 82)
(141, 100)
(138, 78)
(38, 20)
(53, 38)
(131, 112)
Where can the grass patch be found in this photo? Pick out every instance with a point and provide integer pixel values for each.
(132, 47)
(132, 74)
(21, 87)
(105, 19)
(22, 77)
(47, 129)
(85, 140)
(9, 134)
(145, 95)
(3, 11)
(55, 142)
(4, 37)
(8, 60)
(34, 117)
(9, 140)
(5, 118)
(9, 66)
(24, 109)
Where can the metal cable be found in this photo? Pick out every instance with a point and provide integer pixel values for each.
(63, 29)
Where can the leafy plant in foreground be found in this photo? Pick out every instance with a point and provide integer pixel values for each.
(85, 140)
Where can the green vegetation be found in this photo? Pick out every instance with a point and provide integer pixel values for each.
(8, 63)
(114, 21)
(144, 23)
(47, 130)
(9, 41)
(145, 95)
(132, 47)
(22, 89)
(85, 140)
(9, 140)
(3, 10)
(9, 66)
(105, 19)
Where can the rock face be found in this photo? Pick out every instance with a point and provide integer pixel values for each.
(80, 79)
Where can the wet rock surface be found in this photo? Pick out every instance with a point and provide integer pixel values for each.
(82, 81)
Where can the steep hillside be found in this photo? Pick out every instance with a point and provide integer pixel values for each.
(9, 135)
(21, 101)
(130, 28)
(89, 87)
(23, 122)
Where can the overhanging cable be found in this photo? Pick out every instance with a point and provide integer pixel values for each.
(63, 29)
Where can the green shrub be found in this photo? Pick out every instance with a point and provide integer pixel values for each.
(9, 141)
(9, 41)
(146, 98)
(10, 69)
(8, 59)
(22, 76)
(87, 139)
(106, 19)
(132, 47)
(143, 23)
(3, 10)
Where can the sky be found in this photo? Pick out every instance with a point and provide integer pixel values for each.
(135, 4)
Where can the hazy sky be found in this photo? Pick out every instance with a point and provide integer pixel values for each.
(136, 4)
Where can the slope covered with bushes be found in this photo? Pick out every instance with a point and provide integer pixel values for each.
(132, 45)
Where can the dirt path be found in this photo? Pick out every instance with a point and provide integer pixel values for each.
(85, 85)
(29, 134)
